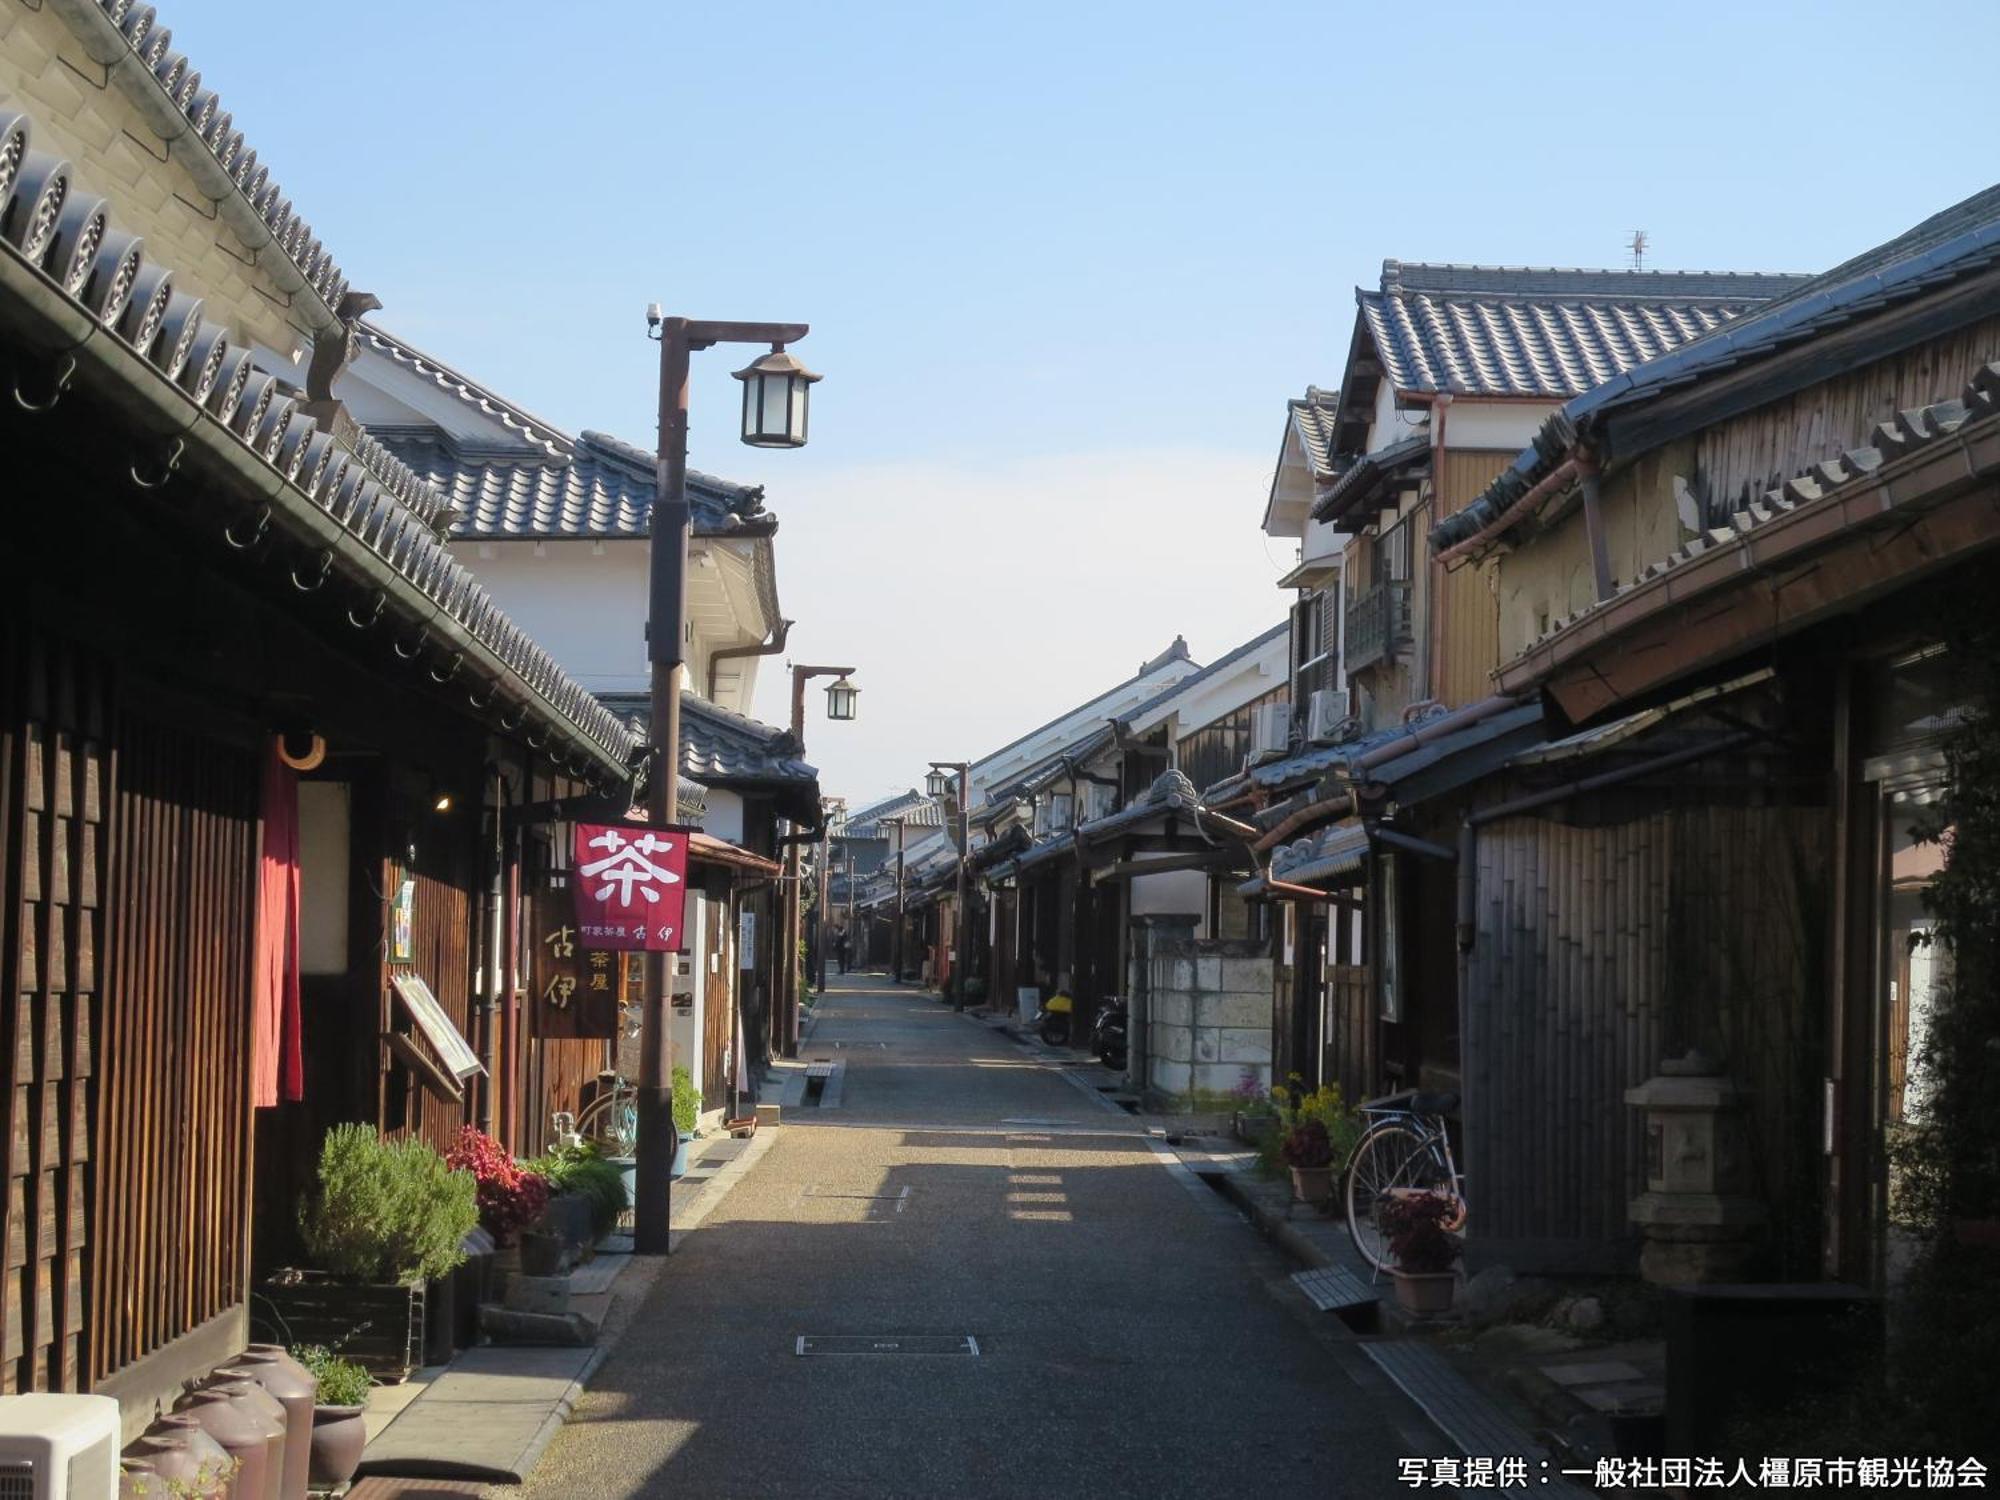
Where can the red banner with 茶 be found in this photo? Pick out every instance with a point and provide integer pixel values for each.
(630, 882)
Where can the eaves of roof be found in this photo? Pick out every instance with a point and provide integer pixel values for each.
(81, 291)
(1336, 853)
(1365, 477)
(1177, 650)
(1962, 241)
(1889, 483)
(1170, 792)
(127, 40)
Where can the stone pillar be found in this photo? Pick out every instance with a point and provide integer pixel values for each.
(1699, 1222)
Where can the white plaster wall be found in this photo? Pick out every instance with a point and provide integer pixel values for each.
(1322, 540)
(1388, 425)
(1473, 423)
(724, 816)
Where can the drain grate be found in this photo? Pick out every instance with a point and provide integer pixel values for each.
(888, 1343)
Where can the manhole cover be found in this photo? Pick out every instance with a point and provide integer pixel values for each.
(889, 1343)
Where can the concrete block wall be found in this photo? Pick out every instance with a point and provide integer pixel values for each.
(82, 114)
(1208, 1011)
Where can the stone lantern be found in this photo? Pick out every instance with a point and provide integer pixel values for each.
(1696, 1213)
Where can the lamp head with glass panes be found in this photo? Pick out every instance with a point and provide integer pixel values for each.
(776, 388)
(841, 698)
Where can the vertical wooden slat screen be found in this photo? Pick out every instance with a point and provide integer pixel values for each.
(173, 1161)
(53, 710)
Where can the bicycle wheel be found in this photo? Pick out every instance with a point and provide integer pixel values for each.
(625, 1125)
(1390, 1157)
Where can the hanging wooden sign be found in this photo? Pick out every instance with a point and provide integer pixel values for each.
(574, 989)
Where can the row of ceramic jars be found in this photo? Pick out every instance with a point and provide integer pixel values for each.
(244, 1433)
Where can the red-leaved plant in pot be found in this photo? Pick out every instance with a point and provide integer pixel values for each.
(1308, 1150)
(1414, 1224)
(511, 1198)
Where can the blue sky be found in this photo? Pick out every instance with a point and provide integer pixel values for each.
(1063, 263)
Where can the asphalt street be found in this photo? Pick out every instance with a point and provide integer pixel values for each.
(1133, 1337)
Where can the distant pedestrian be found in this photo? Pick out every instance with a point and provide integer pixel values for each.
(840, 949)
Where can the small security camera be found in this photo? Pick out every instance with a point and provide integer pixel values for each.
(653, 315)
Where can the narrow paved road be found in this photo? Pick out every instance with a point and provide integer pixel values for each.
(1131, 1339)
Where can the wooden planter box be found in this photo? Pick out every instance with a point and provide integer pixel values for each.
(381, 1328)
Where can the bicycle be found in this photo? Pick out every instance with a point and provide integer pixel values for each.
(611, 1119)
(1404, 1149)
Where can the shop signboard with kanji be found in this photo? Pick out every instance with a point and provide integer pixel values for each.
(630, 885)
(575, 989)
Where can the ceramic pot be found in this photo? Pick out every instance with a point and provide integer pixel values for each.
(272, 1410)
(281, 1376)
(1426, 1292)
(188, 1458)
(338, 1436)
(1312, 1184)
(253, 1440)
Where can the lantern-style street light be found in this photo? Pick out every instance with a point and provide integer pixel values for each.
(775, 391)
(938, 783)
(842, 700)
(791, 974)
(775, 394)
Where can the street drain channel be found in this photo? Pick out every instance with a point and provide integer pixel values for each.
(861, 1343)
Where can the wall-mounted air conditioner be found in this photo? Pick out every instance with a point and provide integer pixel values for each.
(1271, 734)
(58, 1447)
(1329, 712)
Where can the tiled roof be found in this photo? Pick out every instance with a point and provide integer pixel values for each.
(371, 526)
(1369, 472)
(722, 748)
(601, 487)
(1215, 668)
(913, 808)
(1170, 792)
(1522, 331)
(530, 428)
(1313, 417)
(1962, 240)
(213, 130)
(1339, 849)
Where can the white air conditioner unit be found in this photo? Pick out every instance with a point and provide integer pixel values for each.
(58, 1447)
(1271, 734)
(1329, 712)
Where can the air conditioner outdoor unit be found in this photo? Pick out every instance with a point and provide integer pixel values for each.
(1271, 735)
(58, 1447)
(1329, 712)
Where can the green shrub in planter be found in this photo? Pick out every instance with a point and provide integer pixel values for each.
(687, 1103)
(583, 1172)
(386, 1211)
(341, 1381)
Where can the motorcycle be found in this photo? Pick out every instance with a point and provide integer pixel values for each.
(1053, 1023)
(1108, 1033)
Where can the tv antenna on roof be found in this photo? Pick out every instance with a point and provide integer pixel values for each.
(1637, 245)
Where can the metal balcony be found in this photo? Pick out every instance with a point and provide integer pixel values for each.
(1378, 625)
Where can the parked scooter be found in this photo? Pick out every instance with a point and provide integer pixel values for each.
(1053, 1023)
(1107, 1034)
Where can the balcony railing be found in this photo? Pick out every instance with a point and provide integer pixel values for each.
(1378, 625)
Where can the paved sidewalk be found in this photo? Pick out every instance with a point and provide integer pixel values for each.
(489, 1414)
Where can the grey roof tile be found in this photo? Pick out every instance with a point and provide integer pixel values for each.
(1524, 331)
(1962, 240)
(600, 487)
(363, 490)
(722, 748)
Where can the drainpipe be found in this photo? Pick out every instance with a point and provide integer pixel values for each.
(1440, 598)
(769, 647)
(496, 953)
(1593, 527)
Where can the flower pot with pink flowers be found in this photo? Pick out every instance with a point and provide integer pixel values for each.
(1307, 1150)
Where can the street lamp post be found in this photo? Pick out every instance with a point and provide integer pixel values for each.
(791, 974)
(896, 937)
(939, 783)
(775, 392)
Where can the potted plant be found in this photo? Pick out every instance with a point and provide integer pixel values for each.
(1308, 1152)
(687, 1116)
(511, 1201)
(339, 1431)
(1425, 1251)
(388, 1217)
(1256, 1112)
(583, 1173)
